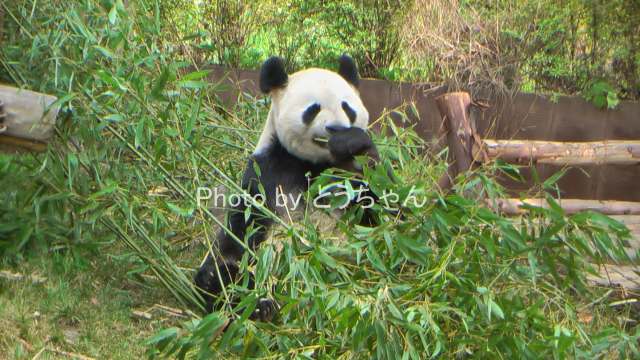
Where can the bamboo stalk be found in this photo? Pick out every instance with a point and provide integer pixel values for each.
(571, 206)
(564, 153)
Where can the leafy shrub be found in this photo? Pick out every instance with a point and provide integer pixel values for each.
(370, 30)
(602, 95)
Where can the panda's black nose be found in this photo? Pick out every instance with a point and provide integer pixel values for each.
(332, 129)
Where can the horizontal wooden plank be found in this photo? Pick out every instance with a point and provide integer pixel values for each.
(570, 206)
(631, 221)
(564, 153)
(625, 276)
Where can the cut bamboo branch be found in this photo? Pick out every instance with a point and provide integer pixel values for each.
(570, 206)
(564, 153)
(631, 245)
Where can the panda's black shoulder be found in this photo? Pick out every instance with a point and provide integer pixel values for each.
(276, 166)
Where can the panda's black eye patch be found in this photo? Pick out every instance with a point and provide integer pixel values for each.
(351, 114)
(310, 113)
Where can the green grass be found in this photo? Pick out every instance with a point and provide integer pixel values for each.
(84, 307)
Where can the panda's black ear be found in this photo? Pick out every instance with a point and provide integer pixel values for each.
(272, 74)
(348, 70)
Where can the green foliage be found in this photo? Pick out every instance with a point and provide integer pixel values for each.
(602, 95)
(370, 31)
(128, 157)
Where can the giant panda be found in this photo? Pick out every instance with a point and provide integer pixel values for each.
(306, 107)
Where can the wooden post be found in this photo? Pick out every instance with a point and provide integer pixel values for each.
(461, 134)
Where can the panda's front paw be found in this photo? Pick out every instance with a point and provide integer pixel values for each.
(266, 310)
(209, 284)
(347, 144)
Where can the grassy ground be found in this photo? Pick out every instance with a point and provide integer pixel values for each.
(82, 307)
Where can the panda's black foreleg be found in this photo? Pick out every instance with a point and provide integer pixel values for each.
(213, 276)
(221, 267)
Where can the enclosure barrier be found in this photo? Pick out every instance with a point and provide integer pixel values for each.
(468, 150)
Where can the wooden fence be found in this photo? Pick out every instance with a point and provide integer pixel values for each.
(467, 149)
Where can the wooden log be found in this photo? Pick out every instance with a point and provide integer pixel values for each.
(14, 144)
(26, 118)
(570, 206)
(564, 153)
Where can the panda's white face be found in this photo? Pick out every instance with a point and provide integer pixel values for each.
(312, 104)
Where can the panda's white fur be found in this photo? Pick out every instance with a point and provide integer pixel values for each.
(305, 88)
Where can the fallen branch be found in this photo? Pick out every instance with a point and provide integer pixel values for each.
(141, 315)
(173, 312)
(36, 279)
